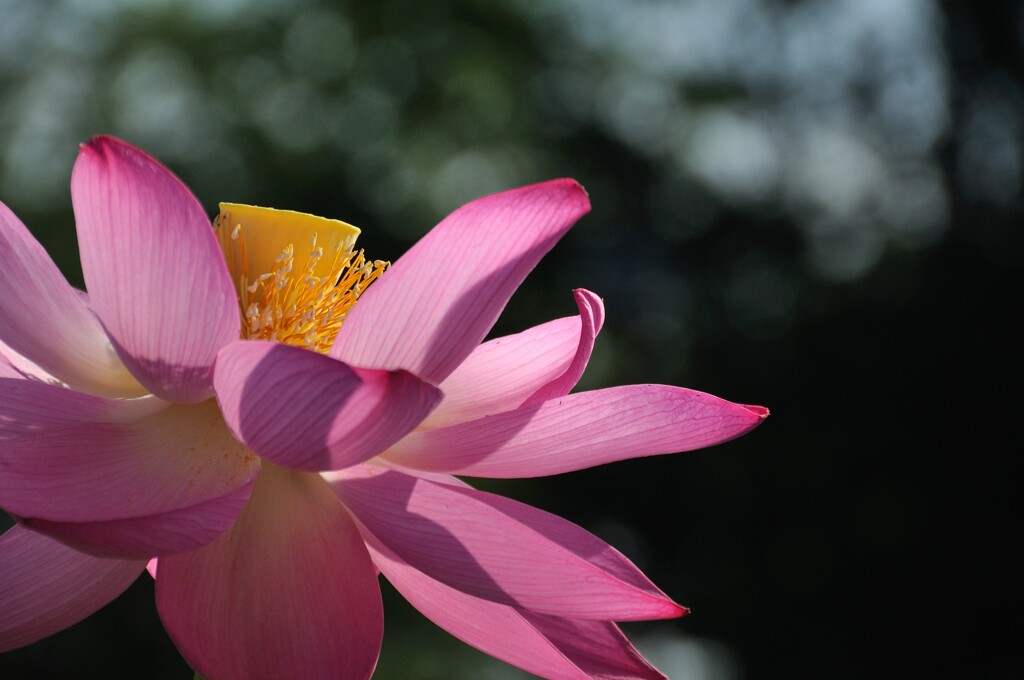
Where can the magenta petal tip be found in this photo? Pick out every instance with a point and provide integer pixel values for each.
(760, 411)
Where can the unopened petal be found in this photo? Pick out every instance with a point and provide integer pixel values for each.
(153, 268)
(579, 431)
(288, 592)
(438, 301)
(46, 586)
(500, 550)
(308, 411)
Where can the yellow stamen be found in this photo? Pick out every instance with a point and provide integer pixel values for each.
(304, 307)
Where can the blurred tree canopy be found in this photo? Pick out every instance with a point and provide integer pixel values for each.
(812, 204)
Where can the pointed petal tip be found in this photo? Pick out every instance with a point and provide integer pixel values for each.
(596, 303)
(558, 569)
(575, 190)
(426, 317)
(761, 412)
(672, 610)
(579, 430)
(99, 145)
(103, 147)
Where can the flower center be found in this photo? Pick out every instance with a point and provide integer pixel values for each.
(296, 298)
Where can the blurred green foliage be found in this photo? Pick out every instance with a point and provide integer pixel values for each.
(812, 204)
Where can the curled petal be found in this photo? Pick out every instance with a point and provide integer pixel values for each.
(591, 320)
(307, 411)
(288, 592)
(154, 270)
(179, 458)
(434, 306)
(162, 533)
(551, 647)
(503, 373)
(579, 431)
(45, 320)
(46, 586)
(30, 406)
(500, 550)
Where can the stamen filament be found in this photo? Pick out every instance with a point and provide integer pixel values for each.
(304, 310)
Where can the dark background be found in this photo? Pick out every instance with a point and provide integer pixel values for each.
(809, 204)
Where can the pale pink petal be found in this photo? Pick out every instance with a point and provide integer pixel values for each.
(43, 319)
(308, 411)
(380, 463)
(176, 459)
(579, 431)
(153, 267)
(559, 649)
(288, 592)
(592, 319)
(46, 586)
(503, 373)
(163, 533)
(15, 365)
(8, 370)
(500, 550)
(439, 300)
(29, 405)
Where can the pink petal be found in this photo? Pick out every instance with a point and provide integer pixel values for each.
(179, 458)
(163, 533)
(14, 365)
(43, 319)
(598, 647)
(307, 411)
(154, 269)
(435, 305)
(28, 405)
(500, 550)
(46, 587)
(7, 369)
(591, 320)
(579, 431)
(503, 373)
(546, 646)
(288, 592)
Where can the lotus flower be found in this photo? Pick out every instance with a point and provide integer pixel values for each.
(241, 403)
